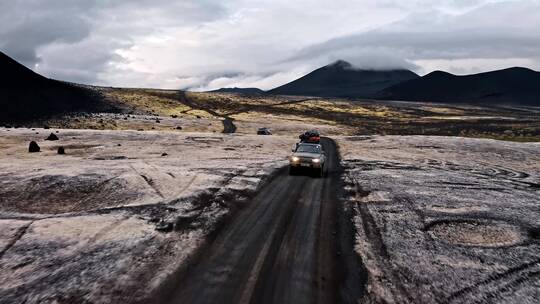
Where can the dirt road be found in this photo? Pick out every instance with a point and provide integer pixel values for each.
(284, 247)
(228, 122)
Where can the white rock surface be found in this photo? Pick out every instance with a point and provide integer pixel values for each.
(445, 219)
(81, 226)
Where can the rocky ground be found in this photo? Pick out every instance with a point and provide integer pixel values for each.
(444, 219)
(92, 224)
(137, 194)
(149, 109)
(250, 123)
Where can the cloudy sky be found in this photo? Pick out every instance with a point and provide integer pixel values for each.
(207, 44)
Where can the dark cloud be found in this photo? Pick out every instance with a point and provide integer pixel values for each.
(79, 39)
(432, 45)
(491, 31)
(27, 25)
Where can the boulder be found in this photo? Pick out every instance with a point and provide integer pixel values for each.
(33, 147)
(61, 150)
(52, 136)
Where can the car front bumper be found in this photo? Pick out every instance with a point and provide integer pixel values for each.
(305, 164)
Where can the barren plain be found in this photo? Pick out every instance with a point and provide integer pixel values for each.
(447, 213)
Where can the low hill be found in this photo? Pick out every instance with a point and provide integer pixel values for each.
(509, 86)
(341, 79)
(26, 95)
(245, 91)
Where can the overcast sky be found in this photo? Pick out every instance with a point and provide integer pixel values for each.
(208, 44)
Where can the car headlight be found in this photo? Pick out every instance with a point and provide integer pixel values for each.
(316, 160)
(295, 159)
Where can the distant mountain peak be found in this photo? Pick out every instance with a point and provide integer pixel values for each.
(515, 85)
(439, 73)
(518, 69)
(341, 64)
(248, 91)
(342, 79)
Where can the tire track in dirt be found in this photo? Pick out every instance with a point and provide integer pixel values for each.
(149, 181)
(523, 273)
(372, 232)
(495, 174)
(18, 235)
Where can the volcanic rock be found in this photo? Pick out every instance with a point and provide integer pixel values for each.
(52, 136)
(33, 147)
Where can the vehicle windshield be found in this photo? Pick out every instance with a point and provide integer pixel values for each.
(308, 149)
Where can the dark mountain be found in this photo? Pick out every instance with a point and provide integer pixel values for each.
(25, 95)
(15, 75)
(245, 91)
(341, 79)
(508, 86)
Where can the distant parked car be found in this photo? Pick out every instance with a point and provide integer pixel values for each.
(308, 156)
(264, 131)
